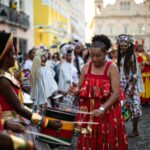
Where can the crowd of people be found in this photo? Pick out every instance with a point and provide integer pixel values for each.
(106, 80)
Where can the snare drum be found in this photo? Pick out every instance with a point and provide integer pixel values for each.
(67, 130)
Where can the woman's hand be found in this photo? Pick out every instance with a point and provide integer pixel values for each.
(15, 127)
(72, 90)
(54, 124)
(96, 113)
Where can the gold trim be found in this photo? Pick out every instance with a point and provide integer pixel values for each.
(10, 40)
(9, 77)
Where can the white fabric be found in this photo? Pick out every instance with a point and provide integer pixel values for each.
(28, 64)
(50, 66)
(44, 88)
(67, 75)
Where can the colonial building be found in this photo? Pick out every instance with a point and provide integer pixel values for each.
(58, 21)
(16, 16)
(51, 22)
(125, 16)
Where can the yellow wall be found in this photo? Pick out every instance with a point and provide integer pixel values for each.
(45, 15)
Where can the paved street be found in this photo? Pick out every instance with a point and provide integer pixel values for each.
(142, 142)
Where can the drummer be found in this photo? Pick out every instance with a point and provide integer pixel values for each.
(10, 86)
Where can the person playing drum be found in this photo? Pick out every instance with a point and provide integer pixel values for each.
(10, 86)
(99, 90)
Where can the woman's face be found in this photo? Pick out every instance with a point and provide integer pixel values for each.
(85, 53)
(98, 56)
(11, 57)
(124, 47)
(44, 57)
(114, 54)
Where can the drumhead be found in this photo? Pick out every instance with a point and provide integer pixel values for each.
(27, 99)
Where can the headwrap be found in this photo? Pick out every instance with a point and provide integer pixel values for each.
(65, 48)
(36, 65)
(99, 44)
(124, 38)
(7, 48)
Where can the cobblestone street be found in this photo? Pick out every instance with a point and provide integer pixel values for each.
(142, 142)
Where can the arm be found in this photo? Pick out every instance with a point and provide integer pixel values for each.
(135, 75)
(115, 85)
(11, 97)
(82, 76)
(75, 90)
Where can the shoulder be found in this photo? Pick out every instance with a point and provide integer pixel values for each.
(4, 83)
(113, 69)
(85, 68)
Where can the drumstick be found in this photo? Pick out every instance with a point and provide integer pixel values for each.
(79, 122)
(48, 137)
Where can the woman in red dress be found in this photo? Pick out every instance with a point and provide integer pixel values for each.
(99, 89)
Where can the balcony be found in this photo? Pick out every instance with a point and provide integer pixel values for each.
(13, 17)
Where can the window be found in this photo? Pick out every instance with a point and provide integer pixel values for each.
(124, 6)
(98, 10)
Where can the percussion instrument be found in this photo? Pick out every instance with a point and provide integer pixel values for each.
(65, 133)
(27, 101)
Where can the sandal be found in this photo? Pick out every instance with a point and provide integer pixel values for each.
(133, 134)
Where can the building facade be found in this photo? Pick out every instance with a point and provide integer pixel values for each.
(16, 16)
(77, 19)
(51, 22)
(123, 17)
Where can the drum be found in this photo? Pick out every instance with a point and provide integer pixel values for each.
(27, 100)
(67, 130)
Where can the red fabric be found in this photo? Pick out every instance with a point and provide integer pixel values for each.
(146, 69)
(4, 104)
(110, 132)
(140, 59)
(1, 127)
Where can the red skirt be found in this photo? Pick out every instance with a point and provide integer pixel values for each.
(108, 134)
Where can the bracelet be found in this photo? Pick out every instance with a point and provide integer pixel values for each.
(35, 119)
(45, 122)
(41, 121)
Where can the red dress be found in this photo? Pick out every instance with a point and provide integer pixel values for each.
(109, 134)
(15, 86)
